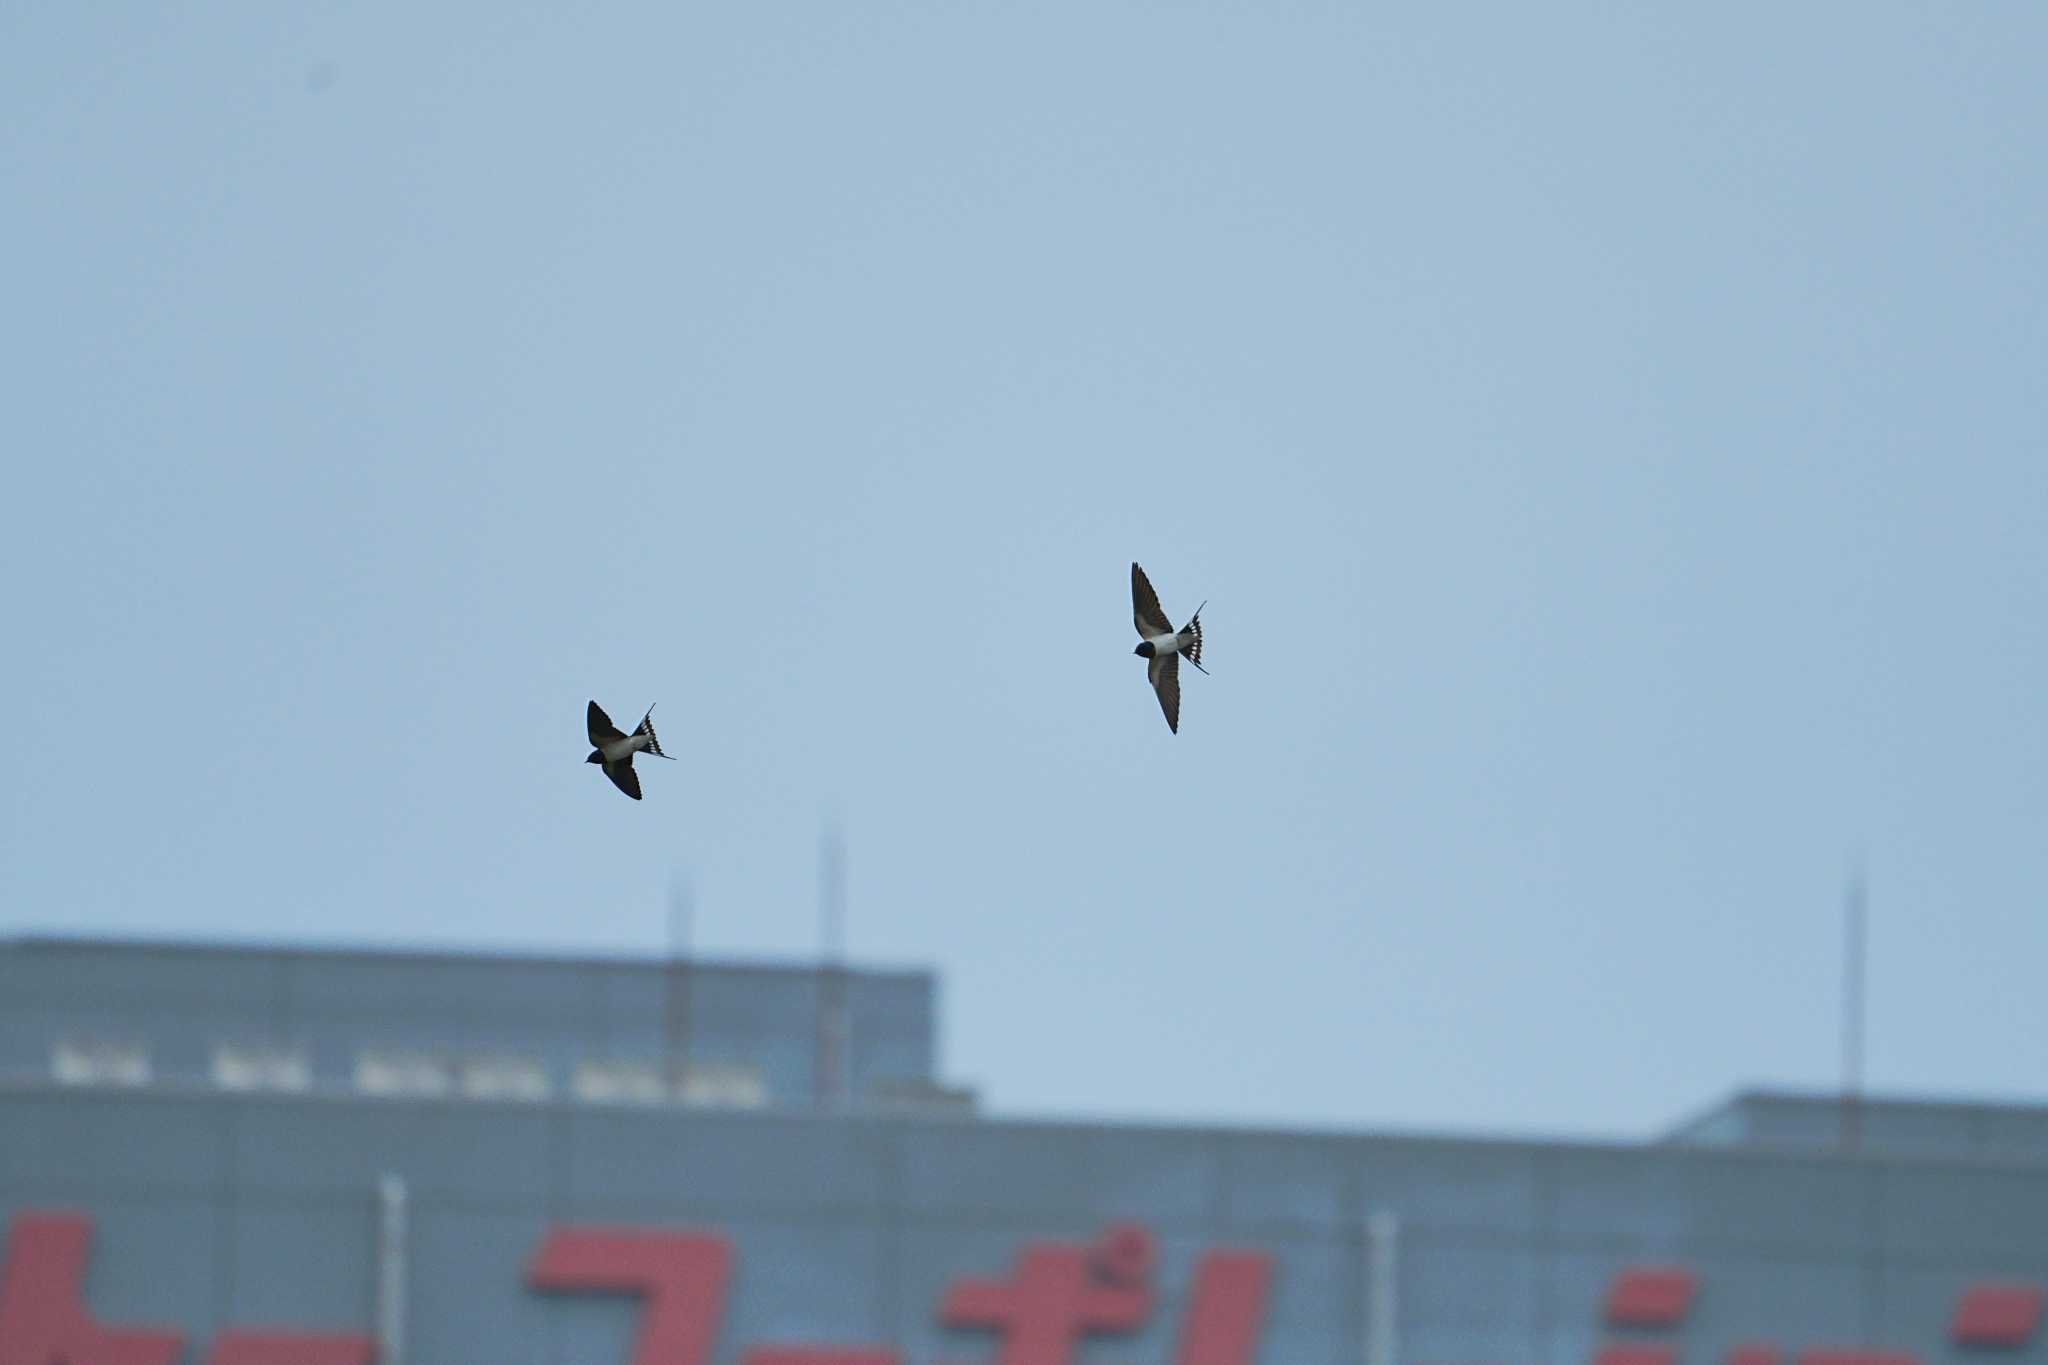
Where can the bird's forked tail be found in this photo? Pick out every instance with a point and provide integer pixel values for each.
(646, 727)
(1191, 639)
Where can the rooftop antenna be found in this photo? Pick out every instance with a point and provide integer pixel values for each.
(831, 1061)
(1855, 950)
(675, 1033)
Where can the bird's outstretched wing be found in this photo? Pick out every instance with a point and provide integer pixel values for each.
(624, 778)
(602, 731)
(1164, 671)
(1146, 612)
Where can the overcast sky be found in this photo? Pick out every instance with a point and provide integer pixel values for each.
(1614, 447)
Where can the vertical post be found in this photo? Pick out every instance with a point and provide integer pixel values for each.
(1853, 954)
(831, 1061)
(391, 1237)
(675, 1040)
(280, 1000)
(1383, 1289)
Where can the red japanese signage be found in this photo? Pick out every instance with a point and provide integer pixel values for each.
(1660, 1297)
(44, 1320)
(1998, 1315)
(1055, 1296)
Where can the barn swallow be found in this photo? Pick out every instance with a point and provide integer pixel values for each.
(1162, 646)
(614, 751)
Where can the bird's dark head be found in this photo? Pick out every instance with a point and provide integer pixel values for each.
(1144, 649)
(596, 756)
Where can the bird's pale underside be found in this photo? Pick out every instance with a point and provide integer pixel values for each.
(1162, 646)
(613, 749)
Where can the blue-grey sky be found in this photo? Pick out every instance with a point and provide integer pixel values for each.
(1614, 444)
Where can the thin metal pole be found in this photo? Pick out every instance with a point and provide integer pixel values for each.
(682, 913)
(391, 1239)
(1383, 1289)
(831, 1061)
(1854, 951)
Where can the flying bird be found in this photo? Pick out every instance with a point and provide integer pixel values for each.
(1162, 647)
(614, 751)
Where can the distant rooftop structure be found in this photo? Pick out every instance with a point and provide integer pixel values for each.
(464, 1025)
(1780, 1121)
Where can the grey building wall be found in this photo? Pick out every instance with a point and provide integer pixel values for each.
(183, 1000)
(216, 1211)
(1800, 1122)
